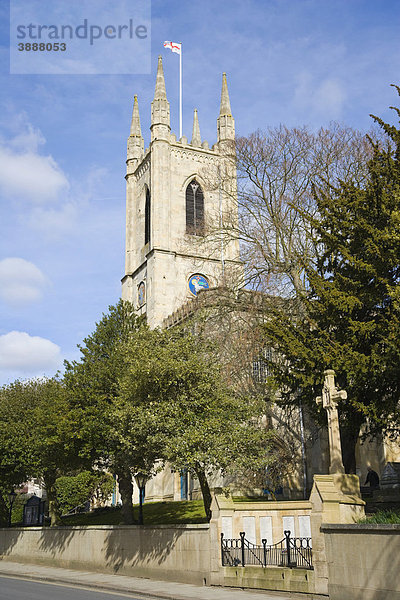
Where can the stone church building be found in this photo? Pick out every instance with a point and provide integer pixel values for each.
(167, 210)
(170, 204)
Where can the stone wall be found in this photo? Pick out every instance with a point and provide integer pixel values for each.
(186, 553)
(334, 499)
(271, 578)
(170, 553)
(363, 561)
(260, 520)
(351, 561)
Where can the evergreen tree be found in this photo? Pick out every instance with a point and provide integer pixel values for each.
(142, 398)
(94, 390)
(349, 318)
(37, 437)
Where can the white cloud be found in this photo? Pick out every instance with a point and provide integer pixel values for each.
(30, 176)
(76, 215)
(330, 97)
(54, 221)
(25, 174)
(21, 282)
(28, 139)
(325, 97)
(28, 355)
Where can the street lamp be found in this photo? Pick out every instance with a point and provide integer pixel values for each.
(11, 498)
(141, 480)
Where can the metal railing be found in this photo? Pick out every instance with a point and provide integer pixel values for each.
(80, 508)
(289, 552)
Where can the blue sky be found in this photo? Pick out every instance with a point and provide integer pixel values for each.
(63, 142)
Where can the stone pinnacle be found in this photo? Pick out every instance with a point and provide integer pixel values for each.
(225, 108)
(160, 92)
(135, 125)
(196, 137)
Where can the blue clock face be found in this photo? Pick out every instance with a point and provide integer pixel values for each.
(197, 283)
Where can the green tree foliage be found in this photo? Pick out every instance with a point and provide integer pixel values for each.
(37, 435)
(94, 390)
(349, 317)
(175, 398)
(18, 508)
(14, 455)
(142, 398)
(75, 490)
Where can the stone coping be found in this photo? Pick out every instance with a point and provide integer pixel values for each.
(360, 527)
(258, 569)
(284, 505)
(182, 526)
(269, 505)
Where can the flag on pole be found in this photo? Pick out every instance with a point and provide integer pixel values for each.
(174, 46)
(177, 48)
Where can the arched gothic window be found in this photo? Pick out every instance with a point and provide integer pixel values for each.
(194, 209)
(147, 218)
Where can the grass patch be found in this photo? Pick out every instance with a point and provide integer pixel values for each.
(154, 513)
(383, 516)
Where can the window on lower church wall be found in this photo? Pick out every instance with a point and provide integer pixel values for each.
(147, 218)
(261, 369)
(194, 208)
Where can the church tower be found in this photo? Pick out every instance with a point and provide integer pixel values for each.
(178, 195)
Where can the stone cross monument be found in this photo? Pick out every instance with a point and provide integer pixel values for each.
(329, 399)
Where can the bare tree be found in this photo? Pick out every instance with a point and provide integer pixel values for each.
(268, 211)
(277, 171)
(270, 215)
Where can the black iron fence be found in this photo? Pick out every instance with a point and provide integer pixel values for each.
(289, 552)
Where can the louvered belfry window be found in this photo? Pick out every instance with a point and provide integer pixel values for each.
(194, 208)
(147, 218)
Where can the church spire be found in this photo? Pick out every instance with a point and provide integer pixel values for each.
(135, 124)
(160, 92)
(135, 140)
(225, 107)
(196, 137)
(225, 121)
(160, 127)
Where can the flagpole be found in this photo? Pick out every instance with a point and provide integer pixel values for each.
(177, 48)
(180, 93)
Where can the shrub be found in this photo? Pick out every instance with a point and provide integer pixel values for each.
(383, 516)
(75, 490)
